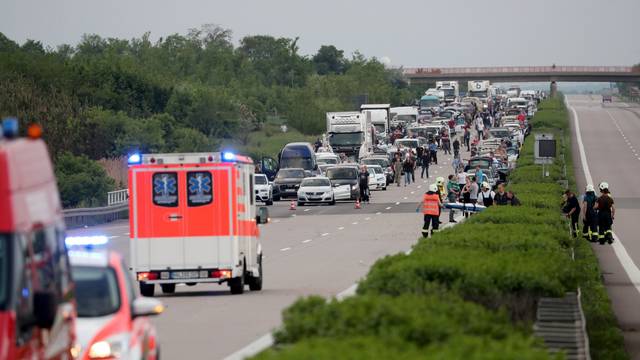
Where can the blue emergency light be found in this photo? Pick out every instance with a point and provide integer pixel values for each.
(228, 156)
(10, 127)
(134, 159)
(86, 241)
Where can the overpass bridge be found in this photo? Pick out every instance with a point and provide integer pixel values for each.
(525, 74)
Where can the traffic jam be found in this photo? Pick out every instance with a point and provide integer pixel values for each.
(195, 218)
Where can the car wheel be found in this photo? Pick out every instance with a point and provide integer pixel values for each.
(276, 198)
(168, 288)
(300, 203)
(255, 283)
(147, 289)
(269, 201)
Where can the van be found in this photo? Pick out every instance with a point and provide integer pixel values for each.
(298, 155)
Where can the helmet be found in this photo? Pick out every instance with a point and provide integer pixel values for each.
(485, 184)
(589, 188)
(433, 188)
(603, 185)
(440, 180)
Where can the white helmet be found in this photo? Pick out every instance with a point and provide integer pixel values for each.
(603, 185)
(440, 180)
(485, 185)
(589, 188)
(433, 188)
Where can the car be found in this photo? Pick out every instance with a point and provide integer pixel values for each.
(113, 322)
(263, 189)
(383, 161)
(287, 182)
(377, 178)
(344, 179)
(316, 189)
(327, 158)
(607, 98)
(323, 168)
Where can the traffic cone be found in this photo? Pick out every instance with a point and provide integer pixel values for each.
(292, 206)
(357, 206)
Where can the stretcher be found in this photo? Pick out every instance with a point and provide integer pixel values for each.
(465, 207)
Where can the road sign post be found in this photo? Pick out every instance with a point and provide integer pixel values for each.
(544, 150)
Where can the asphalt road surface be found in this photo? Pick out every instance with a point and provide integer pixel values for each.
(610, 135)
(319, 250)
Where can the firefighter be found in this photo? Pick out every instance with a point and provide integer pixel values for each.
(431, 204)
(606, 214)
(441, 190)
(571, 210)
(589, 220)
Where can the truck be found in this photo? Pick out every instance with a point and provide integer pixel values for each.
(435, 92)
(403, 115)
(478, 88)
(380, 116)
(429, 102)
(451, 90)
(37, 302)
(346, 132)
(193, 220)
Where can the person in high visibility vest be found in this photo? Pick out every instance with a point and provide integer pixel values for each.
(606, 213)
(589, 214)
(431, 205)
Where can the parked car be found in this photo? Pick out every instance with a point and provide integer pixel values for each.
(344, 179)
(316, 190)
(383, 162)
(287, 183)
(263, 189)
(377, 178)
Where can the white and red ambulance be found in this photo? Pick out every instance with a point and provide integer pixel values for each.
(193, 220)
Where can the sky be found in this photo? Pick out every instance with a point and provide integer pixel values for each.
(410, 33)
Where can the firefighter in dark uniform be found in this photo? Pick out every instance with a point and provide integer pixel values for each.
(589, 218)
(606, 214)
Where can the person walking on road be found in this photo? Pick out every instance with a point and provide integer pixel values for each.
(589, 216)
(407, 167)
(466, 138)
(456, 148)
(571, 210)
(453, 191)
(397, 169)
(486, 196)
(433, 150)
(426, 158)
(431, 206)
(363, 182)
(606, 214)
(456, 164)
(446, 145)
(501, 196)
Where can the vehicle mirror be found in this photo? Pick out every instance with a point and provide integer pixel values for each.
(263, 215)
(145, 306)
(45, 308)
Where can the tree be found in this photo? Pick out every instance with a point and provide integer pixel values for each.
(329, 60)
(81, 181)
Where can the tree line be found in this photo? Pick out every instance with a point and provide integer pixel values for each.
(106, 97)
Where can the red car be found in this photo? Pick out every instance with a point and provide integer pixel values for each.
(112, 320)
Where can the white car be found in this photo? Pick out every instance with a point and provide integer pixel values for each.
(377, 178)
(327, 158)
(316, 190)
(263, 189)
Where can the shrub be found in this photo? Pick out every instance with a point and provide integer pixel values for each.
(81, 181)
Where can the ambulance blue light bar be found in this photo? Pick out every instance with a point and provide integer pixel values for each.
(87, 241)
(134, 159)
(228, 156)
(9, 128)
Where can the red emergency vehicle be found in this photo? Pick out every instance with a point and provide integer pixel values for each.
(37, 312)
(193, 220)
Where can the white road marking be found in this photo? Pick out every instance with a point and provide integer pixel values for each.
(354, 223)
(285, 249)
(405, 198)
(378, 213)
(618, 248)
(350, 291)
(413, 192)
(367, 218)
(341, 228)
(306, 210)
(324, 234)
(127, 234)
(419, 186)
(293, 215)
(254, 348)
(114, 236)
(276, 221)
(388, 208)
(306, 241)
(397, 202)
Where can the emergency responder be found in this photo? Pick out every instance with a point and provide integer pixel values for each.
(441, 189)
(430, 205)
(606, 214)
(453, 192)
(589, 218)
(571, 210)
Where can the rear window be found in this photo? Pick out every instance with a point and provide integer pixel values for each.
(199, 188)
(342, 173)
(260, 180)
(97, 292)
(165, 189)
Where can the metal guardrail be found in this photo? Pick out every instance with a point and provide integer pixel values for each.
(93, 216)
(117, 197)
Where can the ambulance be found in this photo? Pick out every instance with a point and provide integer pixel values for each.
(37, 311)
(193, 220)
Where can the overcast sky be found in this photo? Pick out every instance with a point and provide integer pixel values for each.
(408, 32)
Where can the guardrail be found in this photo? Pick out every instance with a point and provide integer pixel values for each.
(117, 197)
(93, 216)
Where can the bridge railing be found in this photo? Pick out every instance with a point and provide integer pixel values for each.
(521, 69)
(117, 197)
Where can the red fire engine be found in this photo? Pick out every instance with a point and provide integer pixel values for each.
(193, 220)
(37, 312)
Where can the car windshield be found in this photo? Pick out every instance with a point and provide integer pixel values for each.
(315, 182)
(328, 161)
(341, 173)
(484, 164)
(375, 170)
(97, 291)
(381, 162)
(499, 133)
(260, 180)
(448, 92)
(290, 173)
(345, 139)
(4, 270)
(429, 103)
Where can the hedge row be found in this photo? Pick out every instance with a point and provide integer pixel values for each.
(469, 291)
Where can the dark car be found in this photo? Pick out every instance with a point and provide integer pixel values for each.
(287, 182)
(344, 179)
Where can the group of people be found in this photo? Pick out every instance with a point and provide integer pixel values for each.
(598, 213)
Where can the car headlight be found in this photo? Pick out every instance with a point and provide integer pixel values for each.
(112, 348)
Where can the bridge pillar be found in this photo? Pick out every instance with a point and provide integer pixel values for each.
(553, 91)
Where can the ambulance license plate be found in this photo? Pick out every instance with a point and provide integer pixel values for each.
(185, 275)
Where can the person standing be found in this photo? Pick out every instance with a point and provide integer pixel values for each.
(589, 216)
(467, 137)
(456, 148)
(430, 205)
(363, 182)
(479, 175)
(453, 191)
(445, 142)
(501, 196)
(606, 214)
(433, 150)
(571, 210)
(397, 169)
(480, 127)
(462, 178)
(485, 197)
(426, 158)
(407, 167)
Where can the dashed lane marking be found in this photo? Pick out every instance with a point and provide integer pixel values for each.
(397, 202)
(324, 234)
(306, 210)
(306, 241)
(285, 249)
(388, 208)
(341, 228)
(367, 218)
(378, 213)
(354, 223)
(114, 236)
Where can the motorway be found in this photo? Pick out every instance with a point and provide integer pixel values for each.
(319, 250)
(610, 139)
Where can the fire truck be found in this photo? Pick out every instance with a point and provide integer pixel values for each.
(37, 311)
(193, 220)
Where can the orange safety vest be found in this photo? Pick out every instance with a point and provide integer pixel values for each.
(430, 204)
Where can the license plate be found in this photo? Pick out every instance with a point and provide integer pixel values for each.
(185, 275)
